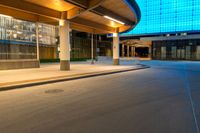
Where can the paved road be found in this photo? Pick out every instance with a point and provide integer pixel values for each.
(162, 99)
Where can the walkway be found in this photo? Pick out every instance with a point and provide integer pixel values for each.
(51, 72)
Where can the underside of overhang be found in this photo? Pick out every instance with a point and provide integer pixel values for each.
(94, 16)
(136, 43)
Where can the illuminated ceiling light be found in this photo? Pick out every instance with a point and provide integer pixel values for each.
(115, 34)
(110, 18)
(112, 24)
(183, 34)
(2, 15)
(61, 22)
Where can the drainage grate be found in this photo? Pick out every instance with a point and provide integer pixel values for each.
(54, 91)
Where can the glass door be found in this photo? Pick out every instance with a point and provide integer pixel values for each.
(198, 53)
(174, 52)
(181, 53)
(188, 52)
(163, 53)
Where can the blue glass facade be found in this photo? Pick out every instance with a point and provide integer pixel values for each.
(167, 16)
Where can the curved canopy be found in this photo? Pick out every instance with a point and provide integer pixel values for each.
(94, 16)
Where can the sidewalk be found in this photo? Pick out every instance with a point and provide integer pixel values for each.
(50, 73)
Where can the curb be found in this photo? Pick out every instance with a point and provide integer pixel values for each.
(62, 79)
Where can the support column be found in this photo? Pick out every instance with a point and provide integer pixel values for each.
(123, 50)
(128, 54)
(150, 52)
(64, 46)
(133, 51)
(37, 44)
(116, 49)
(92, 49)
(37, 41)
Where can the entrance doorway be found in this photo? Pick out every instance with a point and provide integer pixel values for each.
(142, 52)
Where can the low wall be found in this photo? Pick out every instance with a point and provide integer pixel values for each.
(18, 64)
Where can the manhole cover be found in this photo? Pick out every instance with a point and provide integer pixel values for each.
(53, 91)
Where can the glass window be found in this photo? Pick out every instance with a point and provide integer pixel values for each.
(18, 38)
(166, 16)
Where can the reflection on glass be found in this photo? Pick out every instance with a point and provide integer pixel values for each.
(18, 38)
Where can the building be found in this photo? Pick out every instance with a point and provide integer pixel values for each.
(81, 46)
(173, 27)
(31, 30)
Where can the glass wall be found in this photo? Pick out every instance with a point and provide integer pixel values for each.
(176, 50)
(81, 48)
(17, 30)
(18, 38)
(48, 34)
(167, 16)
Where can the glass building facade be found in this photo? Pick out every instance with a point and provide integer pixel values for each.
(81, 46)
(176, 50)
(167, 16)
(18, 39)
(170, 19)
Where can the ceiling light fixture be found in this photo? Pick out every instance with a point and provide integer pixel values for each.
(61, 22)
(115, 34)
(2, 15)
(110, 18)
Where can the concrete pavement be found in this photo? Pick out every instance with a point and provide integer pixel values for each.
(154, 100)
(50, 73)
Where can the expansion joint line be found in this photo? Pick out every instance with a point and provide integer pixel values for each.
(188, 91)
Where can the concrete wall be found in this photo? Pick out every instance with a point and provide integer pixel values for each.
(18, 64)
(25, 51)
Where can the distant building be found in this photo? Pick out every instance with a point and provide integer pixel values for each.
(173, 26)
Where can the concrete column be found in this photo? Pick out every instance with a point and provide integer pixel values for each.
(123, 50)
(92, 49)
(37, 64)
(37, 41)
(150, 52)
(64, 46)
(132, 51)
(116, 48)
(128, 54)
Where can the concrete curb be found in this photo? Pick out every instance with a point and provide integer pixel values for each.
(65, 78)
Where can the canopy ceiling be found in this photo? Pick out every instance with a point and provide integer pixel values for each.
(84, 15)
